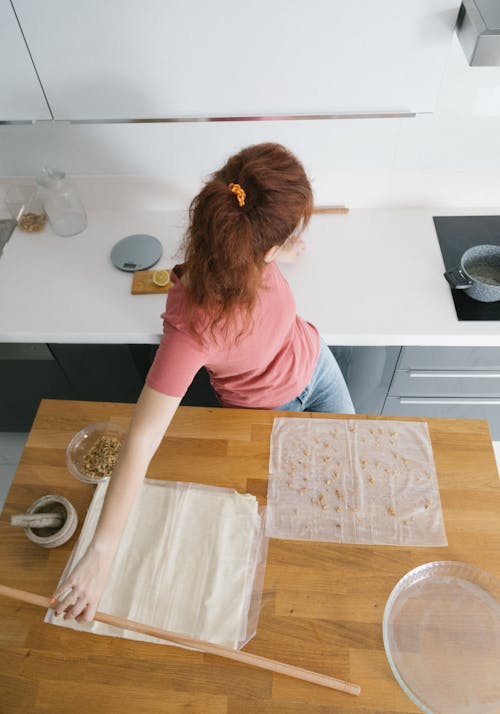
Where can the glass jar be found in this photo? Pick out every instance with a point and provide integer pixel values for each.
(26, 207)
(62, 204)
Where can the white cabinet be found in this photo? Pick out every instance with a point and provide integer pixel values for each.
(125, 59)
(21, 96)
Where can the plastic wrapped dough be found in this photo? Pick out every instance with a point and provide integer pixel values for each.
(191, 560)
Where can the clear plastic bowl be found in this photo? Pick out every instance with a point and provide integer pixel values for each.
(81, 444)
(441, 633)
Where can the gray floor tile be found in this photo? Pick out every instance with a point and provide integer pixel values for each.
(11, 446)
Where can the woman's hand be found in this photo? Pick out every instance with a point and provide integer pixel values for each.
(290, 251)
(79, 594)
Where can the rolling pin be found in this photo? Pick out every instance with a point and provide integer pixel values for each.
(37, 520)
(245, 657)
(330, 209)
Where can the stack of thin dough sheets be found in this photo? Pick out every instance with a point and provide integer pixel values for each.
(191, 560)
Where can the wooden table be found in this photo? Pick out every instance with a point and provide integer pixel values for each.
(322, 604)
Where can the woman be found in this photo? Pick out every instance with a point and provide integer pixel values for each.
(231, 310)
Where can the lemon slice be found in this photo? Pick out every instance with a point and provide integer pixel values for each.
(161, 278)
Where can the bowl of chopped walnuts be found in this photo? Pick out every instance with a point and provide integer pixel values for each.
(91, 454)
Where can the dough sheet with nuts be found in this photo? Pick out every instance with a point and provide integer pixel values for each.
(353, 481)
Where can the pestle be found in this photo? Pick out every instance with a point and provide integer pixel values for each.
(37, 520)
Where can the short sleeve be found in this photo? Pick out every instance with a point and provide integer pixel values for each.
(177, 360)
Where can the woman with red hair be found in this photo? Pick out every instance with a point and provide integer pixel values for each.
(230, 310)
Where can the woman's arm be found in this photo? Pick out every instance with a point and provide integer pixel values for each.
(152, 416)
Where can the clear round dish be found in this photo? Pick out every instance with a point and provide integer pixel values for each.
(441, 632)
(85, 446)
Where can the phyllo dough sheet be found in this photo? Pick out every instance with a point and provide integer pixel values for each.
(353, 481)
(189, 561)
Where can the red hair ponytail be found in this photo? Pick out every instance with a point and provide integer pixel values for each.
(231, 229)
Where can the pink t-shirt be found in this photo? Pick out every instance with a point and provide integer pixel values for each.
(270, 364)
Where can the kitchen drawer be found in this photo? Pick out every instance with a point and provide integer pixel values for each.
(457, 408)
(450, 358)
(445, 382)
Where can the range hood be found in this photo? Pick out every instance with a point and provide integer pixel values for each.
(478, 29)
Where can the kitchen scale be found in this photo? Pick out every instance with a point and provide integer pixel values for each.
(136, 252)
(455, 235)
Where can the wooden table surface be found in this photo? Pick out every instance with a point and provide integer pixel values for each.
(322, 604)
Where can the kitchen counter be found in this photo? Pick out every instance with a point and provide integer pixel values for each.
(371, 277)
(322, 604)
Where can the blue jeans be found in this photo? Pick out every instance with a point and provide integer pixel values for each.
(327, 390)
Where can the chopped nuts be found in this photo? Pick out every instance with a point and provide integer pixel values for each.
(101, 459)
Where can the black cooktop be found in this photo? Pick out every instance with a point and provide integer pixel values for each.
(455, 235)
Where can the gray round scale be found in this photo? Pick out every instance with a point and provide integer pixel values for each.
(136, 252)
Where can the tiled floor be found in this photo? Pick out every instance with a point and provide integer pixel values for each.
(12, 445)
(11, 448)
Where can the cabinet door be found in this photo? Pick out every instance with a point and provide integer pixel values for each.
(368, 372)
(131, 59)
(21, 95)
(28, 373)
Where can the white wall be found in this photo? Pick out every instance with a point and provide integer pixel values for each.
(451, 157)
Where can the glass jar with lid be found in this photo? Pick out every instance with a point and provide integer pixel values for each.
(62, 204)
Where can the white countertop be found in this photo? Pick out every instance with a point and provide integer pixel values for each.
(370, 277)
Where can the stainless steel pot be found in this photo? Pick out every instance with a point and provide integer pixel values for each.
(478, 274)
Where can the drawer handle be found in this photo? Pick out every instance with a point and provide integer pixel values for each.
(431, 400)
(459, 375)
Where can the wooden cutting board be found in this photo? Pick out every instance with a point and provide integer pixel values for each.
(142, 284)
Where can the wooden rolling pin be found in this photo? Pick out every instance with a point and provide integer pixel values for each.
(330, 209)
(37, 520)
(208, 647)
